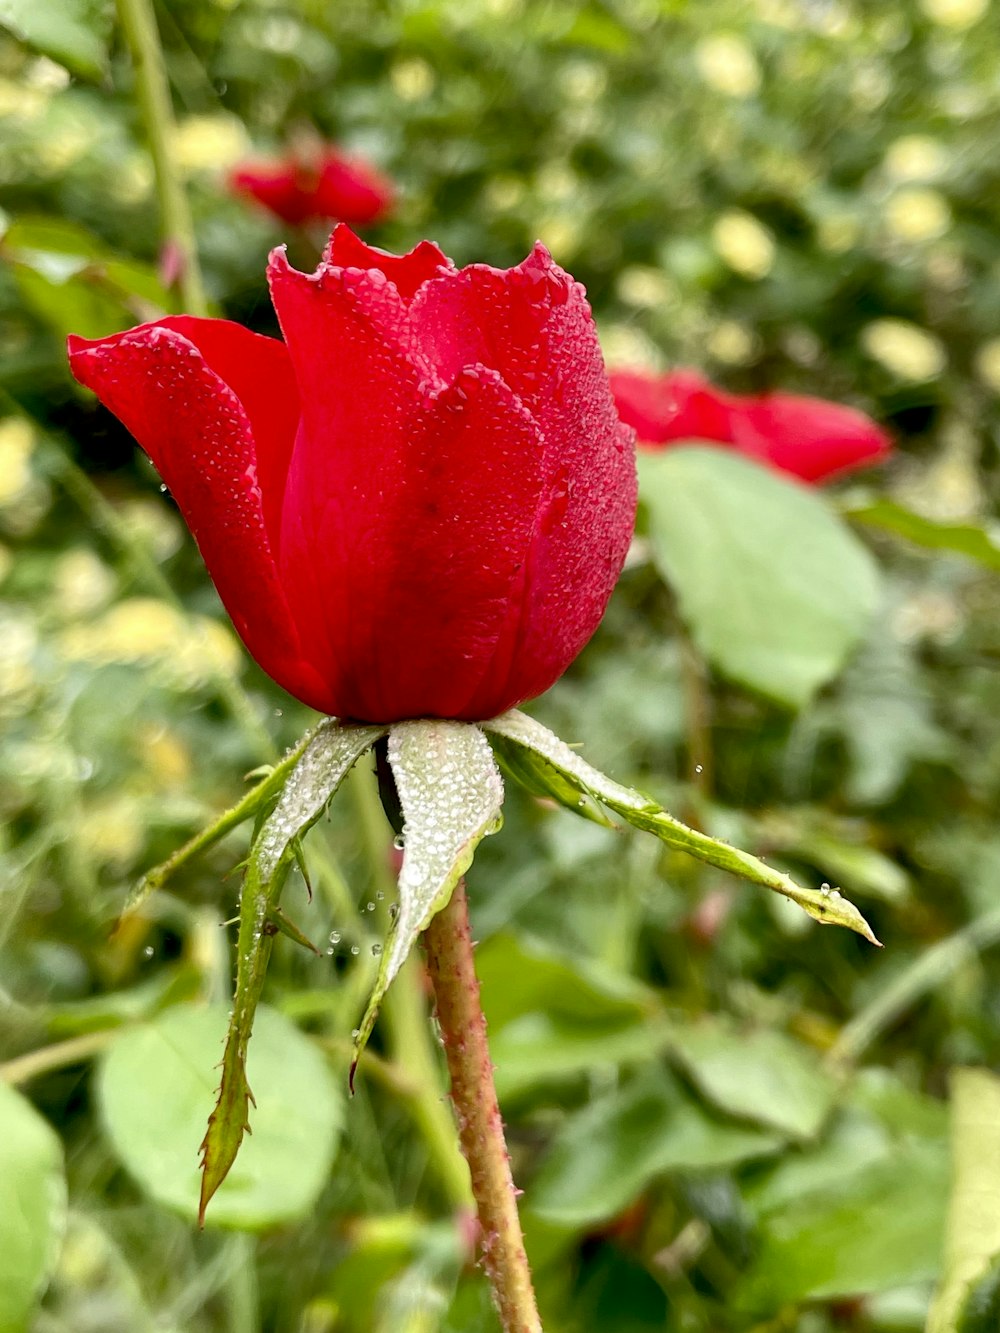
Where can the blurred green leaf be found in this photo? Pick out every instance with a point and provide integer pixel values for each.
(518, 976)
(32, 1207)
(773, 586)
(75, 284)
(981, 544)
(608, 1153)
(760, 1075)
(74, 32)
(156, 1088)
(972, 1238)
(871, 1229)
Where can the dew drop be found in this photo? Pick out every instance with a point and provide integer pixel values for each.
(376, 950)
(355, 949)
(398, 842)
(380, 895)
(699, 768)
(334, 936)
(370, 907)
(148, 951)
(355, 1033)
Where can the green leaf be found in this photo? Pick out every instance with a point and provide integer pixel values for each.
(972, 1237)
(606, 1155)
(773, 586)
(981, 544)
(538, 1050)
(828, 907)
(451, 794)
(871, 1229)
(981, 1310)
(75, 284)
(32, 1207)
(325, 760)
(761, 1075)
(73, 32)
(156, 1087)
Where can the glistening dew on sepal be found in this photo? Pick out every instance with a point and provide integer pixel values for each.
(451, 793)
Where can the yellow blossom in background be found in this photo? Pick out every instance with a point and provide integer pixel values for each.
(727, 64)
(583, 81)
(645, 287)
(17, 442)
(744, 243)
(907, 351)
(82, 582)
(504, 192)
(629, 348)
(113, 831)
(915, 157)
(988, 364)
(732, 343)
(412, 79)
(185, 651)
(210, 143)
(18, 672)
(917, 214)
(153, 525)
(957, 14)
(561, 234)
(164, 756)
(838, 232)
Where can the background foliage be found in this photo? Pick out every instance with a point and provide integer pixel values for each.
(724, 1118)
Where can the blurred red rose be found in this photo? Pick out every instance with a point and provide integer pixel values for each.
(316, 186)
(808, 437)
(418, 504)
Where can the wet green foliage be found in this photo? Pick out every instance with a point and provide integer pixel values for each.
(724, 1117)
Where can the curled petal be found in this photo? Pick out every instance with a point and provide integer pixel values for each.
(407, 273)
(259, 372)
(195, 430)
(678, 406)
(810, 438)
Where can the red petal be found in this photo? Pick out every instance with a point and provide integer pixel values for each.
(406, 272)
(259, 372)
(199, 437)
(533, 324)
(409, 562)
(678, 406)
(808, 437)
(283, 188)
(351, 190)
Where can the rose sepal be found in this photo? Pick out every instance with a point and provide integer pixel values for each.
(447, 777)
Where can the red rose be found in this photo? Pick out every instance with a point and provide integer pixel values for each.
(327, 184)
(415, 506)
(810, 438)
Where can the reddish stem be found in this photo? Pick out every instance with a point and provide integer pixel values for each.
(463, 1030)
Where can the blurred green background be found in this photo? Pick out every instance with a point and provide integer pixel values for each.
(723, 1117)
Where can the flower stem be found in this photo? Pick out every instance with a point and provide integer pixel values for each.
(153, 94)
(463, 1029)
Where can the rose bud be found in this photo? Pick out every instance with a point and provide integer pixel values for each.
(808, 437)
(418, 503)
(316, 187)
